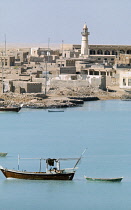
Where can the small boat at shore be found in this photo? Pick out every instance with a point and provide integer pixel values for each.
(55, 110)
(52, 173)
(104, 179)
(3, 154)
(126, 99)
(11, 108)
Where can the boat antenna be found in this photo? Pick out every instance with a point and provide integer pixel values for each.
(62, 48)
(5, 44)
(2, 77)
(18, 161)
(80, 158)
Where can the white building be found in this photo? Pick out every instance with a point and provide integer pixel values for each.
(84, 43)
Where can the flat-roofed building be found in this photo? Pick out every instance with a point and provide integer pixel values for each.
(7, 61)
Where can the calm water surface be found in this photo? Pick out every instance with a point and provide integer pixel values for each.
(104, 127)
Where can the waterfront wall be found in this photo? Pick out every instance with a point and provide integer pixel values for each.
(96, 82)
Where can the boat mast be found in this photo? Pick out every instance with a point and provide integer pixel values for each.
(5, 44)
(2, 76)
(45, 75)
(18, 162)
(58, 164)
(46, 63)
(62, 48)
(79, 158)
(3, 63)
(48, 48)
(40, 164)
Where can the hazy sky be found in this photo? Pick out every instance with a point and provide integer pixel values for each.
(34, 21)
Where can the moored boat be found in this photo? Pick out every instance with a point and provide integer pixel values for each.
(3, 154)
(11, 108)
(52, 173)
(118, 179)
(55, 110)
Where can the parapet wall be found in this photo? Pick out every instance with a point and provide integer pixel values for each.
(25, 87)
(99, 82)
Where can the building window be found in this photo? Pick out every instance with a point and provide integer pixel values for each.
(122, 51)
(99, 52)
(107, 52)
(90, 72)
(103, 73)
(124, 82)
(114, 52)
(96, 73)
(92, 52)
(99, 59)
(129, 82)
(128, 51)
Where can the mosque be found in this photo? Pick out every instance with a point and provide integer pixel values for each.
(99, 52)
(101, 49)
(112, 61)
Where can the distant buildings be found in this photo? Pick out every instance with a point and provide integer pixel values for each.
(30, 69)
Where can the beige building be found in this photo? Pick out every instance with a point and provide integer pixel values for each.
(123, 59)
(101, 49)
(25, 87)
(125, 78)
(7, 61)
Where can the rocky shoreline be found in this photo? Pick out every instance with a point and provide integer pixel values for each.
(40, 101)
(35, 102)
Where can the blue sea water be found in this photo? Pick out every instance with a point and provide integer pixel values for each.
(104, 127)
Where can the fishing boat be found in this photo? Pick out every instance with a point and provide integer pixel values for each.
(11, 108)
(55, 110)
(3, 154)
(105, 179)
(52, 173)
(126, 99)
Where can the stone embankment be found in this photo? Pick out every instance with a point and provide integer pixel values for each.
(60, 100)
(40, 101)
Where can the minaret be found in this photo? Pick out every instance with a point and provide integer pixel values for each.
(84, 43)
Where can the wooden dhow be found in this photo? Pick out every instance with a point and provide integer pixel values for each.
(11, 108)
(52, 173)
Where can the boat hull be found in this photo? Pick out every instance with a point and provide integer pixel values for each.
(36, 175)
(105, 179)
(2, 154)
(55, 110)
(11, 109)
